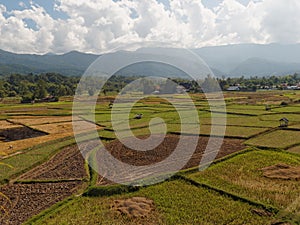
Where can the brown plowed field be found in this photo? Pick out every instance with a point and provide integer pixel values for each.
(28, 200)
(66, 165)
(161, 152)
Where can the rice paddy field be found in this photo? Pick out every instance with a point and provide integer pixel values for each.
(254, 178)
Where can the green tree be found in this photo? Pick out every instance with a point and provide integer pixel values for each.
(40, 91)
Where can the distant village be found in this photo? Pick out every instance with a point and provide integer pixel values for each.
(283, 86)
(287, 82)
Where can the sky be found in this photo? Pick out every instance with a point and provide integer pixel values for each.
(95, 26)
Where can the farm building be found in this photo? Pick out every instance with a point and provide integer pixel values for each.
(234, 88)
(284, 122)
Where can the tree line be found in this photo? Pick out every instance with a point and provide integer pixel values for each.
(32, 87)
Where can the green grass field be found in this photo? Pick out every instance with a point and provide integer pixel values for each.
(247, 109)
(225, 193)
(288, 109)
(175, 202)
(241, 176)
(277, 139)
(292, 117)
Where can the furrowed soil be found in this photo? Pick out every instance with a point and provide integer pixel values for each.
(67, 164)
(164, 150)
(61, 177)
(27, 200)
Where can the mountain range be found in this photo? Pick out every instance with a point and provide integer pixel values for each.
(73, 63)
(230, 60)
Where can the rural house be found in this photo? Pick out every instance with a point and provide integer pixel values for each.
(284, 122)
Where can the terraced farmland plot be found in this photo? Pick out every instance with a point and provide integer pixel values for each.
(295, 125)
(30, 158)
(230, 131)
(260, 97)
(242, 176)
(174, 202)
(39, 109)
(50, 132)
(161, 152)
(245, 121)
(5, 147)
(38, 120)
(20, 133)
(65, 128)
(292, 117)
(148, 115)
(247, 109)
(40, 188)
(18, 164)
(4, 124)
(104, 119)
(295, 149)
(27, 200)
(288, 109)
(68, 164)
(276, 139)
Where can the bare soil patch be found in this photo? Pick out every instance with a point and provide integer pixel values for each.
(135, 207)
(282, 171)
(20, 133)
(27, 200)
(66, 170)
(161, 152)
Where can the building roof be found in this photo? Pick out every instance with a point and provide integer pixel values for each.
(233, 88)
(284, 119)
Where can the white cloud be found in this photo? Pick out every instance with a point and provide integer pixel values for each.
(282, 20)
(96, 25)
(237, 23)
(22, 4)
